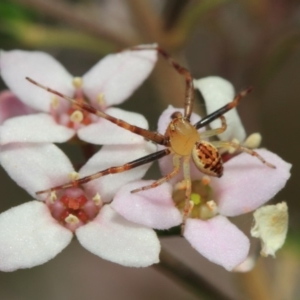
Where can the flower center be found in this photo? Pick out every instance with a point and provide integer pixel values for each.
(72, 208)
(203, 206)
(73, 116)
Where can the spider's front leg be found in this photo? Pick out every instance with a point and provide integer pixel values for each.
(188, 206)
(189, 85)
(176, 164)
(113, 170)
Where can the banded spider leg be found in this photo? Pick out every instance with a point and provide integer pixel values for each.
(181, 138)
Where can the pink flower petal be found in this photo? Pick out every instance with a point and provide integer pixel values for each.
(11, 106)
(106, 133)
(217, 92)
(218, 240)
(35, 128)
(16, 65)
(153, 208)
(110, 156)
(116, 76)
(248, 184)
(35, 166)
(29, 236)
(113, 238)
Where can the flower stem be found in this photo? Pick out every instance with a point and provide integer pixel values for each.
(182, 274)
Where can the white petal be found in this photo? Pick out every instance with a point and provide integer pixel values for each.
(271, 225)
(217, 92)
(116, 76)
(153, 208)
(111, 156)
(113, 238)
(37, 128)
(35, 166)
(17, 64)
(106, 133)
(29, 236)
(218, 240)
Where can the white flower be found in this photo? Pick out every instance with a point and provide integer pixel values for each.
(110, 82)
(35, 232)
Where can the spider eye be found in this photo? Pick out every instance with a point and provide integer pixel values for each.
(207, 159)
(176, 115)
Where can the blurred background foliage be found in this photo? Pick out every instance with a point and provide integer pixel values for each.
(249, 42)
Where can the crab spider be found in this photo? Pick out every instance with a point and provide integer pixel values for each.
(181, 139)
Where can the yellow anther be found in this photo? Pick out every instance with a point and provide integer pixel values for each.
(76, 116)
(212, 206)
(253, 141)
(53, 196)
(54, 102)
(205, 180)
(190, 208)
(100, 99)
(97, 200)
(195, 198)
(231, 150)
(73, 175)
(179, 186)
(77, 82)
(71, 219)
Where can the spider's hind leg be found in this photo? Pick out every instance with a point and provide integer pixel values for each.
(225, 144)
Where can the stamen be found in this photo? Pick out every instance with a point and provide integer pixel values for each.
(77, 82)
(97, 200)
(54, 102)
(76, 116)
(179, 186)
(231, 150)
(212, 206)
(73, 176)
(53, 197)
(190, 208)
(253, 141)
(100, 99)
(71, 219)
(205, 180)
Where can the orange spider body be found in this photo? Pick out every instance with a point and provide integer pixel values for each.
(185, 140)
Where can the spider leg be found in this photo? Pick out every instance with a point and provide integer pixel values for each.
(149, 135)
(216, 131)
(188, 191)
(189, 89)
(176, 163)
(128, 166)
(221, 111)
(225, 144)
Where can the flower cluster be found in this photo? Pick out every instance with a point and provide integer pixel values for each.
(105, 216)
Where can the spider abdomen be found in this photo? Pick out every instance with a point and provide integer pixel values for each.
(207, 159)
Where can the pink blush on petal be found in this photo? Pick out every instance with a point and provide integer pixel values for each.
(218, 240)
